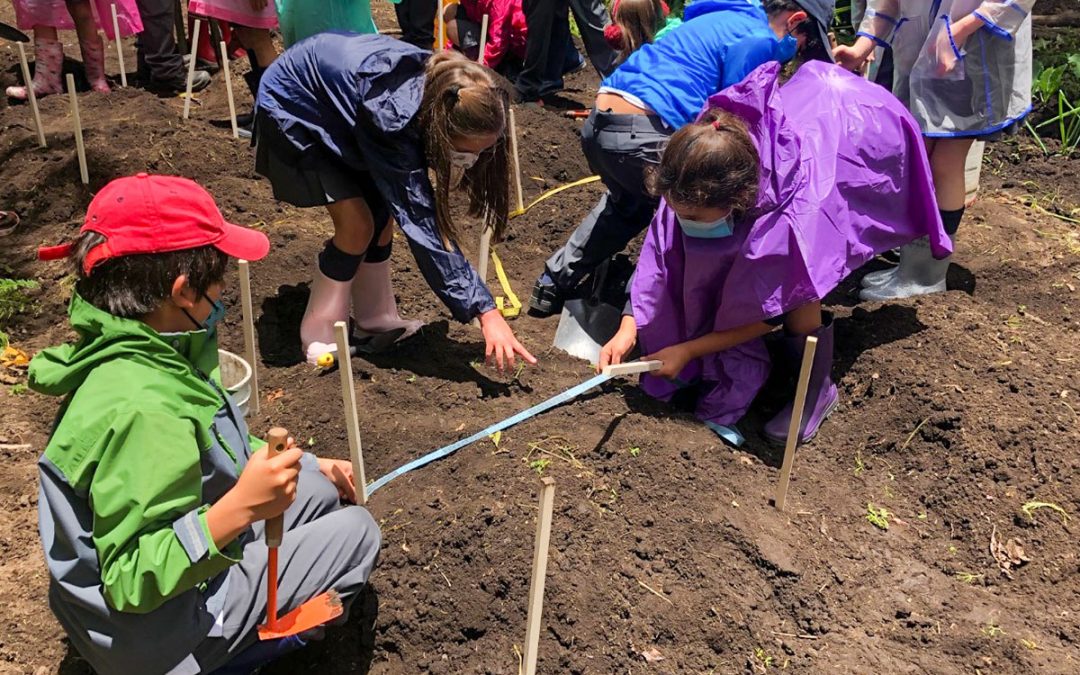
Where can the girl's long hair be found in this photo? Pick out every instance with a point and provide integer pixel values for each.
(639, 21)
(461, 99)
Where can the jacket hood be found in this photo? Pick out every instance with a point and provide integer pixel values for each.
(700, 7)
(104, 337)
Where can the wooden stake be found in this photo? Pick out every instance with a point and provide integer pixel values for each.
(191, 66)
(119, 47)
(440, 32)
(517, 162)
(485, 254)
(483, 40)
(79, 147)
(352, 415)
(228, 89)
(632, 368)
(539, 572)
(30, 95)
(249, 331)
(795, 428)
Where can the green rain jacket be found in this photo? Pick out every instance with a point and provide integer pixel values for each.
(145, 441)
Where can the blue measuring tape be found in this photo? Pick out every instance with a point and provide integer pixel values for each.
(559, 399)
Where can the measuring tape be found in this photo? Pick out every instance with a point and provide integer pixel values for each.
(570, 394)
(552, 192)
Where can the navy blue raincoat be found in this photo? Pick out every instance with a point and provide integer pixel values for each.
(356, 98)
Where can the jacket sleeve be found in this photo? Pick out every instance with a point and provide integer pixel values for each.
(150, 527)
(742, 57)
(500, 26)
(881, 21)
(397, 165)
(1004, 17)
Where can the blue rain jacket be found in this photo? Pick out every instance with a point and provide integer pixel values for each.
(356, 98)
(717, 45)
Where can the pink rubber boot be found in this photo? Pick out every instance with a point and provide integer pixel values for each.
(48, 62)
(374, 306)
(328, 304)
(93, 54)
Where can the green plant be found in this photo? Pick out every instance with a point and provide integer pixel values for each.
(19, 389)
(1030, 507)
(635, 451)
(968, 577)
(992, 630)
(13, 297)
(764, 659)
(877, 516)
(538, 465)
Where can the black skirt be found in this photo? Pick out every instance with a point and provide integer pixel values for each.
(305, 179)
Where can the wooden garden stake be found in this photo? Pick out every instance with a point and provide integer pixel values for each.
(191, 66)
(440, 33)
(539, 572)
(119, 47)
(483, 40)
(352, 415)
(228, 89)
(79, 147)
(485, 254)
(795, 428)
(31, 95)
(249, 330)
(517, 162)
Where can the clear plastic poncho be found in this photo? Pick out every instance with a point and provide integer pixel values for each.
(974, 89)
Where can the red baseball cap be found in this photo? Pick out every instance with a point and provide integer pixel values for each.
(159, 214)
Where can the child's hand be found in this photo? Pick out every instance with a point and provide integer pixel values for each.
(620, 345)
(501, 343)
(340, 473)
(674, 357)
(267, 485)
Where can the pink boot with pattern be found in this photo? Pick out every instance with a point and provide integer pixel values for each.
(48, 62)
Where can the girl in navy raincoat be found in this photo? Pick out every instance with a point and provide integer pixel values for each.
(354, 123)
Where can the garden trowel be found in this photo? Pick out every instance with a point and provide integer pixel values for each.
(313, 613)
(589, 321)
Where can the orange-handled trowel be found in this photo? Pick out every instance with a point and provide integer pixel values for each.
(314, 612)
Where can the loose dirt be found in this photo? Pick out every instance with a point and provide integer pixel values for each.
(956, 411)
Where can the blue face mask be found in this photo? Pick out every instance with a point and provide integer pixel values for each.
(786, 48)
(698, 230)
(217, 313)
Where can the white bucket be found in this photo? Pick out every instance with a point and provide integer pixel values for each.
(236, 378)
(973, 170)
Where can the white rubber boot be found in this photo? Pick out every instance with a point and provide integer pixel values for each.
(918, 273)
(374, 307)
(328, 303)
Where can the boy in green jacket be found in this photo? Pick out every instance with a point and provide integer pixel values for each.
(152, 498)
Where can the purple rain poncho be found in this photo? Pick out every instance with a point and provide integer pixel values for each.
(844, 176)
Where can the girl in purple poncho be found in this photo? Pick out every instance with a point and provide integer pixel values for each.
(769, 200)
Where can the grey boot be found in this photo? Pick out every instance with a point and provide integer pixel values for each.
(917, 274)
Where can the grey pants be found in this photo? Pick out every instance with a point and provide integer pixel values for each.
(156, 46)
(326, 546)
(619, 147)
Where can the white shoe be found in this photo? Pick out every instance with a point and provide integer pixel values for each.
(328, 304)
(374, 307)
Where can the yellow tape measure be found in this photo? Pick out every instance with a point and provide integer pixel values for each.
(552, 192)
(514, 307)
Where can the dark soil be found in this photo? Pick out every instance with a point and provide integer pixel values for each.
(957, 410)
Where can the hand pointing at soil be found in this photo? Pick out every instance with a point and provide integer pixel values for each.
(501, 343)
